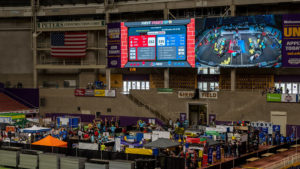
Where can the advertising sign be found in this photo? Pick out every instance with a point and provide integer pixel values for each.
(89, 92)
(182, 116)
(110, 93)
(205, 160)
(273, 97)
(79, 92)
(208, 95)
(5, 119)
(276, 128)
(289, 98)
(244, 41)
(113, 45)
(97, 24)
(291, 41)
(210, 155)
(218, 154)
(100, 93)
(186, 94)
(168, 43)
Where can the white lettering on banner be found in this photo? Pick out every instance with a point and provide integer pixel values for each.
(5, 120)
(208, 95)
(186, 94)
(23, 111)
(71, 24)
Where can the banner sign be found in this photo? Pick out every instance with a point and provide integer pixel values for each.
(272, 97)
(70, 24)
(114, 45)
(210, 155)
(218, 154)
(289, 98)
(208, 95)
(276, 128)
(79, 92)
(291, 41)
(205, 160)
(100, 93)
(186, 94)
(88, 146)
(5, 119)
(30, 111)
(182, 116)
(96, 92)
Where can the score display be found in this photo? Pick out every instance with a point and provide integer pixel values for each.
(157, 44)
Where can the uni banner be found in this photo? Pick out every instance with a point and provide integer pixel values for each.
(291, 41)
(210, 155)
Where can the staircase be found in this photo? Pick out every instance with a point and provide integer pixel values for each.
(155, 112)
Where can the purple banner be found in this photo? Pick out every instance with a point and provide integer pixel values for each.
(291, 41)
(114, 45)
(182, 116)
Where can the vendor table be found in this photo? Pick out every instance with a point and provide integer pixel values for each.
(252, 159)
(267, 154)
(282, 150)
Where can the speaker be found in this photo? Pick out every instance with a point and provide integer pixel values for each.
(43, 102)
(108, 110)
(78, 108)
(98, 114)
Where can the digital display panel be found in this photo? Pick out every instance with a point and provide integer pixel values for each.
(158, 43)
(245, 41)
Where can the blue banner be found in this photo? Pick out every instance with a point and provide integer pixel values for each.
(210, 155)
(218, 153)
(276, 128)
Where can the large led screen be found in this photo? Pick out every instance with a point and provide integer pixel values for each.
(169, 43)
(247, 41)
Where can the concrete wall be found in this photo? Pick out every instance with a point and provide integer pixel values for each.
(64, 101)
(230, 106)
(16, 54)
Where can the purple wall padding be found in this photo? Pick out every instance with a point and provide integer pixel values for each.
(290, 129)
(28, 97)
(287, 78)
(87, 118)
(136, 77)
(1, 85)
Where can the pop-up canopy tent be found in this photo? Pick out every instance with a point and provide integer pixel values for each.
(51, 142)
(162, 143)
(35, 129)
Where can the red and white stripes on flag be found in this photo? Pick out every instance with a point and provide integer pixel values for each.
(68, 44)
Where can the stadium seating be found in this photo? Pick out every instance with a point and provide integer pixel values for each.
(9, 104)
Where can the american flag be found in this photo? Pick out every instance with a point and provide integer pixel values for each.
(68, 44)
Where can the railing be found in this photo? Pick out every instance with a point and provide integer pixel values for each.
(155, 112)
(284, 162)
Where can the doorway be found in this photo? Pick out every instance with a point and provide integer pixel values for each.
(279, 118)
(197, 114)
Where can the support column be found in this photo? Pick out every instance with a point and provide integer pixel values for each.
(166, 78)
(166, 13)
(233, 79)
(232, 9)
(34, 45)
(107, 70)
(107, 75)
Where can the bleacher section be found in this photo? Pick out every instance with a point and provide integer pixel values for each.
(14, 3)
(69, 2)
(9, 104)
